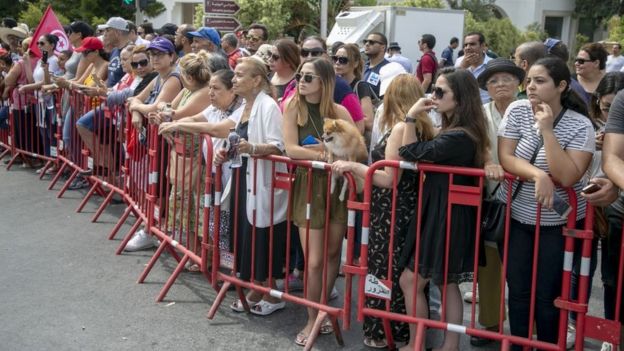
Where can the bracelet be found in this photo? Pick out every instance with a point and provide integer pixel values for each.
(253, 149)
(409, 119)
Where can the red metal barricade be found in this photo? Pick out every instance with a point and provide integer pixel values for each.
(282, 177)
(34, 124)
(5, 131)
(588, 326)
(465, 195)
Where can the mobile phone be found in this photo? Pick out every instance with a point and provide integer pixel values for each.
(309, 140)
(591, 188)
(44, 57)
(561, 206)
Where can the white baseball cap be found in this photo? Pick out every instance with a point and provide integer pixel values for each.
(387, 74)
(115, 23)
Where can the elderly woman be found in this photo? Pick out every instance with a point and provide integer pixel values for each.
(260, 133)
(501, 79)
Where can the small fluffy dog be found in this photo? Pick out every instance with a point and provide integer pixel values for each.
(343, 142)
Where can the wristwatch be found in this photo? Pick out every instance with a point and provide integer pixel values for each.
(409, 119)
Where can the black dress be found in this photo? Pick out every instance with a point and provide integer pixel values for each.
(379, 244)
(453, 148)
(244, 231)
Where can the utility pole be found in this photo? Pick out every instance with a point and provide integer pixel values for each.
(324, 9)
(138, 15)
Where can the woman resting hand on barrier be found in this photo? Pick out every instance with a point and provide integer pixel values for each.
(402, 93)
(552, 125)
(462, 141)
(303, 117)
(260, 135)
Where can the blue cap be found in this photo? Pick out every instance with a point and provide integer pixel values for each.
(207, 33)
(161, 44)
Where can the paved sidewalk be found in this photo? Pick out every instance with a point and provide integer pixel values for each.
(63, 288)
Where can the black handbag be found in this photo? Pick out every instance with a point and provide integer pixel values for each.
(493, 211)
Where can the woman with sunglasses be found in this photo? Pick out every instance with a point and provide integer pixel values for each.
(349, 65)
(462, 141)
(401, 94)
(552, 125)
(283, 62)
(314, 46)
(590, 63)
(303, 121)
(162, 89)
(260, 135)
(42, 75)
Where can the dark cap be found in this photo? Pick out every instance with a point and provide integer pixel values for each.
(394, 45)
(167, 28)
(82, 28)
(499, 65)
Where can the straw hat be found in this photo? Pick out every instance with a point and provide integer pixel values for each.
(21, 31)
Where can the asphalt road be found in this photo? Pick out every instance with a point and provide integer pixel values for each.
(63, 288)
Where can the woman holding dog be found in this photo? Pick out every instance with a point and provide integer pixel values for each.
(303, 130)
(462, 141)
(402, 93)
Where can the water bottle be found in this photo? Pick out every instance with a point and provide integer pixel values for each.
(233, 152)
(167, 112)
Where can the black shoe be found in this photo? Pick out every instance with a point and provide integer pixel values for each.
(87, 172)
(18, 161)
(478, 341)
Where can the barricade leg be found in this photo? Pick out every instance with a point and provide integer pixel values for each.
(129, 235)
(67, 183)
(219, 299)
(172, 278)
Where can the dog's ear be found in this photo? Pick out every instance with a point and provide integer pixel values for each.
(335, 124)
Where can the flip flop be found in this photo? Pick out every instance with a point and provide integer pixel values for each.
(265, 308)
(237, 305)
(326, 327)
(375, 344)
(301, 339)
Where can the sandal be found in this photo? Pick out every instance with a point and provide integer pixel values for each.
(237, 305)
(265, 308)
(326, 327)
(301, 339)
(375, 344)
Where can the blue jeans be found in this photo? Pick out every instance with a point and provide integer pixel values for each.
(549, 274)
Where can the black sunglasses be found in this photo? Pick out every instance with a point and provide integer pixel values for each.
(307, 77)
(312, 52)
(581, 61)
(343, 60)
(275, 57)
(438, 92)
(371, 42)
(41, 43)
(143, 63)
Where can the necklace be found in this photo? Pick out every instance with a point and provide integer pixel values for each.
(314, 126)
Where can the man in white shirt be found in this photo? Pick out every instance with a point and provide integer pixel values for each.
(615, 62)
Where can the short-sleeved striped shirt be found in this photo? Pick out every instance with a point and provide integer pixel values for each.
(574, 132)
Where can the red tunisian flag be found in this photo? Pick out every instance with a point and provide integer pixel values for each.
(50, 25)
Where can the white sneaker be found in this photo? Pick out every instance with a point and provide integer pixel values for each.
(606, 346)
(468, 297)
(334, 294)
(140, 241)
(570, 337)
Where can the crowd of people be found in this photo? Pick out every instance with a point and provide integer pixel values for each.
(528, 115)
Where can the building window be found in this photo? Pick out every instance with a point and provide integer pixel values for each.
(553, 26)
(586, 27)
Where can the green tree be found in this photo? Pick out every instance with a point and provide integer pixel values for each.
(427, 4)
(33, 13)
(481, 10)
(198, 16)
(599, 11)
(274, 14)
(616, 29)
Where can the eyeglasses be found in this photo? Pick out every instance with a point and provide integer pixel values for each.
(275, 57)
(41, 43)
(315, 52)
(307, 77)
(343, 60)
(581, 61)
(142, 63)
(502, 80)
(253, 38)
(371, 42)
(438, 92)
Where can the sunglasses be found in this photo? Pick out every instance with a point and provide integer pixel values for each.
(438, 92)
(41, 43)
(312, 52)
(142, 63)
(371, 42)
(307, 77)
(343, 60)
(275, 57)
(581, 61)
